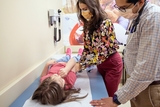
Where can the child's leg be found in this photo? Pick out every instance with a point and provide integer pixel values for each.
(67, 57)
(77, 58)
(64, 59)
(71, 63)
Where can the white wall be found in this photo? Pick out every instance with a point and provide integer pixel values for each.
(26, 42)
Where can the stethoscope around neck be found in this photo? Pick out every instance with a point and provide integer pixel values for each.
(133, 26)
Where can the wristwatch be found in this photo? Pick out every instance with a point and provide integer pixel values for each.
(115, 100)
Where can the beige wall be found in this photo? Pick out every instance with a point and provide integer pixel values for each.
(26, 40)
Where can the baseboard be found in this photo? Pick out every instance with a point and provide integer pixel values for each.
(16, 88)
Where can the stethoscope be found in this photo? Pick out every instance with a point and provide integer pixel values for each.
(133, 26)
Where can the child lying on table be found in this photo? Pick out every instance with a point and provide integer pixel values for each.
(57, 82)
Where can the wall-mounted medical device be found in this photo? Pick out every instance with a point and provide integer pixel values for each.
(55, 20)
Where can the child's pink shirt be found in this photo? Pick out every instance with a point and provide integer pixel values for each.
(69, 79)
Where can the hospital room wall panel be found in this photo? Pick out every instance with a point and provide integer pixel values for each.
(26, 43)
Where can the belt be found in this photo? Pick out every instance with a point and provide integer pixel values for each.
(155, 82)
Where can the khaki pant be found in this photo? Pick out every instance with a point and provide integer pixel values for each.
(150, 97)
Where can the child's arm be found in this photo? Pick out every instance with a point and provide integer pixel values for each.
(76, 68)
(71, 63)
(45, 69)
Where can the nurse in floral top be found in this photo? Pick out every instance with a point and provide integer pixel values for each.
(100, 44)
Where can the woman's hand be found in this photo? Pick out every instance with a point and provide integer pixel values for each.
(104, 102)
(76, 68)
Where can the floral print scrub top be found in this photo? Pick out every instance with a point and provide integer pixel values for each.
(99, 45)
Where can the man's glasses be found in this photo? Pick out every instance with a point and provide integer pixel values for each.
(122, 9)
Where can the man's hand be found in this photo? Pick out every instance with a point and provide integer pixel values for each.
(104, 102)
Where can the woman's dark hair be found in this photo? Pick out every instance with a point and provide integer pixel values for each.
(98, 14)
(49, 92)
